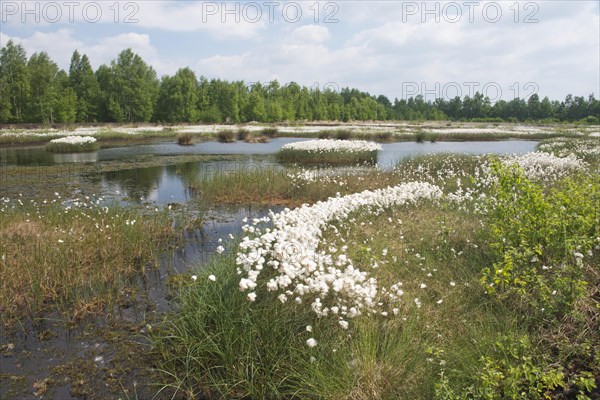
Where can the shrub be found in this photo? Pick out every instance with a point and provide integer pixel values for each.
(508, 372)
(420, 136)
(384, 136)
(226, 136)
(184, 139)
(243, 134)
(343, 134)
(269, 132)
(540, 239)
(263, 139)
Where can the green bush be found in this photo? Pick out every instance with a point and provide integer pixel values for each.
(509, 372)
(420, 136)
(540, 238)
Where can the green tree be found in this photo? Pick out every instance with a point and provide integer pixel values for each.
(45, 89)
(109, 109)
(129, 87)
(85, 86)
(66, 103)
(178, 97)
(534, 107)
(256, 104)
(546, 108)
(14, 83)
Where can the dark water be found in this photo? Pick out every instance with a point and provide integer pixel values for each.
(394, 152)
(167, 184)
(37, 155)
(164, 185)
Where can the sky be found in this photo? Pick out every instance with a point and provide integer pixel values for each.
(400, 49)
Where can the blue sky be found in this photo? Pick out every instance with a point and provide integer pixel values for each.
(395, 48)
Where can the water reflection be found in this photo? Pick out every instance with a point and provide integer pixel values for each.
(171, 184)
(390, 154)
(75, 157)
(394, 152)
(31, 155)
(37, 155)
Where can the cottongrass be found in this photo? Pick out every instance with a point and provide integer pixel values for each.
(291, 251)
(329, 145)
(74, 140)
(588, 149)
(70, 144)
(544, 166)
(328, 151)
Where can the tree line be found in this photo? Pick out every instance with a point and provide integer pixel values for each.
(36, 90)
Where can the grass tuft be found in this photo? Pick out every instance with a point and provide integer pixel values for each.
(226, 136)
(73, 259)
(184, 139)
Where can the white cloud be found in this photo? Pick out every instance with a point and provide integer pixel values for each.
(46, 41)
(235, 20)
(103, 51)
(309, 34)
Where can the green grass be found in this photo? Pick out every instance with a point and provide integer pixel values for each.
(274, 185)
(253, 186)
(292, 156)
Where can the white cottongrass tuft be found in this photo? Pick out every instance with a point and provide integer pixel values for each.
(331, 145)
(538, 165)
(298, 267)
(75, 140)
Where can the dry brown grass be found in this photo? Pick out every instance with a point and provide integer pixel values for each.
(64, 261)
